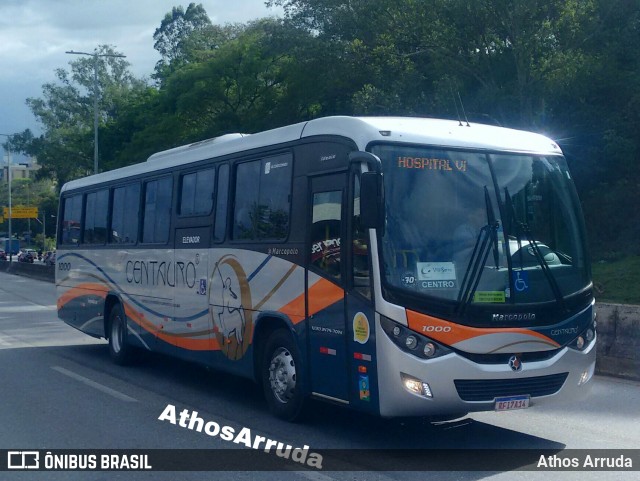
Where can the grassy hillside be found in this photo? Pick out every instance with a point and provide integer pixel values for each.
(618, 281)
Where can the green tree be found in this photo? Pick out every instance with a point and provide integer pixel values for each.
(65, 112)
(241, 85)
(174, 38)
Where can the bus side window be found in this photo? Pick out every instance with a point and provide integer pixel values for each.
(71, 223)
(124, 214)
(196, 192)
(157, 211)
(325, 232)
(360, 247)
(263, 199)
(95, 217)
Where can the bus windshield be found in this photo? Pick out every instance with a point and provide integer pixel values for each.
(480, 228)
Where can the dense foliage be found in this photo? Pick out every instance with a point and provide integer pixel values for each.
(566, 68)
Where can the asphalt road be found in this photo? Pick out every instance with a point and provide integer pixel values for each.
(59, 390)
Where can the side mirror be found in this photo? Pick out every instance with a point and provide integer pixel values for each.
(371, 200)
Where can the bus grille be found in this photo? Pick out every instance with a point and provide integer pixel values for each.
(536, 356)
(489, 389)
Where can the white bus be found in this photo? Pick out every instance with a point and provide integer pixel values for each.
(399, 266)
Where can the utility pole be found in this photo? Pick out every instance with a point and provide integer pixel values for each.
(8, 149)
(95, 56)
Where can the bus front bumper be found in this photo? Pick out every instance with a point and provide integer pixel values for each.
(457, 385)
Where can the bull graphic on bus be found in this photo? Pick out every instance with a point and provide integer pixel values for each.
(231, 315)
(230, 307)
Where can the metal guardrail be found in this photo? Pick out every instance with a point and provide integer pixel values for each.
(37, 270)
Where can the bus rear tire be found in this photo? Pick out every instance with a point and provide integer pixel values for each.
(119, 350)
(282, 376)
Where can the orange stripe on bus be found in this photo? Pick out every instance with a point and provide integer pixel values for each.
(207, 344)
(322, 294)
(81, 290)
(457, 333)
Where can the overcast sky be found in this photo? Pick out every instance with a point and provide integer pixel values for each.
(34, 35)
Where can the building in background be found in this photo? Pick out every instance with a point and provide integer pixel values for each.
(23, 170)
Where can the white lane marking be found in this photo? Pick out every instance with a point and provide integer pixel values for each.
(23, 308)
(93, 384)
(314, 476)
(3, 342)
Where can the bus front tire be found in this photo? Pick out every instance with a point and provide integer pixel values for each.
(119, 350)
(282, 376)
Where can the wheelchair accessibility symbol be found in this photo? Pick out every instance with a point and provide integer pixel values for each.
(521, 281)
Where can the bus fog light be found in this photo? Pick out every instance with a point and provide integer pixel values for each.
(429, 349)
(584, 377)
(397, 331)
(580, 342)
(411, 342)
(587, 374)
(416, 386)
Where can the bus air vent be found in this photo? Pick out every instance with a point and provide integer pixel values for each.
(489, 389)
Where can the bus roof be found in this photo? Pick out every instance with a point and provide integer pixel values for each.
(362, 130)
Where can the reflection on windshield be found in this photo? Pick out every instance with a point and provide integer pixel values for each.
(438, 204)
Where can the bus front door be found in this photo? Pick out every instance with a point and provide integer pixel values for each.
(326, 326)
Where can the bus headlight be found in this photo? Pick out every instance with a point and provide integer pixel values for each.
(412, 342)
(584, 339)
(590, 335)
(416, 386)
(429, 349)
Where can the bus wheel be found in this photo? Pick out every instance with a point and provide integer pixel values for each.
(282, 376)
(120, 351)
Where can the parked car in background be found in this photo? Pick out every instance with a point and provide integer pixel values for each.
(27, 255)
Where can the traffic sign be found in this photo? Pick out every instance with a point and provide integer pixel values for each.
(21, 212)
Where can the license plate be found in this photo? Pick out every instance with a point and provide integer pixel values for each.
(512, 402)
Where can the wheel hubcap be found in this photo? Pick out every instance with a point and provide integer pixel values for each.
(282, 375)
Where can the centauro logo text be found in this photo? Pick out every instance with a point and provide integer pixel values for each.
(161, 273)
(192, 421)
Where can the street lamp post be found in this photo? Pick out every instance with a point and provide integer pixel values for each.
(95, 56)
(10, 212)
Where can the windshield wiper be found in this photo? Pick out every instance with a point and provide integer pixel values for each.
(487, 238)
(523, 228)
